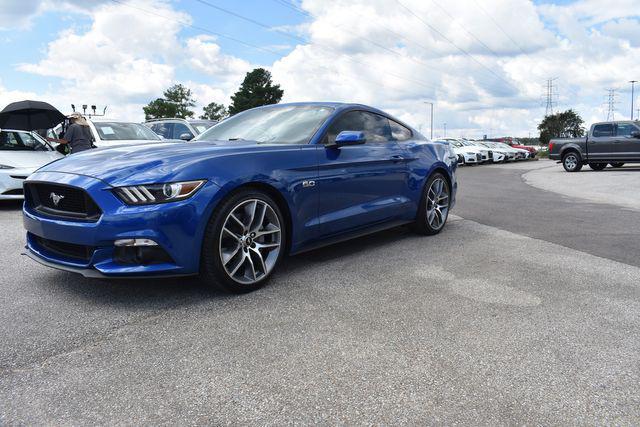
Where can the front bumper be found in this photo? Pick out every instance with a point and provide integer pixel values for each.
(176, 227)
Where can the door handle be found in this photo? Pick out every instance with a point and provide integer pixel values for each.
(396, 159)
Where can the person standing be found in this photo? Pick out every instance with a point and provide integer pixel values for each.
(78, 135)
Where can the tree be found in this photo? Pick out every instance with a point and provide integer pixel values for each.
(567, 123)
(256, 90)
(214, 111)
(176, 103)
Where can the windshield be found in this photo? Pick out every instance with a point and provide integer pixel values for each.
(11, 140)
(287, 124)
(202, 126)
(118, 131)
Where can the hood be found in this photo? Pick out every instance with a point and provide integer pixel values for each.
(28, 159)
(147, 163)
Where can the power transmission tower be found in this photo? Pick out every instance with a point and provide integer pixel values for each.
(550, 94)
(611, 104)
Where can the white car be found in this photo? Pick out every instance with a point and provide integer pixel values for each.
(113, 133)
(519, 154)
(466, 155)
(497, 155)
(21, 153)
(484, 151)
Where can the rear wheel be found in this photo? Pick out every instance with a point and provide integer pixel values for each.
(597, 166)
(616, 165)
(243, 243)
(434, 206)
(572, 162)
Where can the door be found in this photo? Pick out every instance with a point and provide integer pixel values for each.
(626, 145)
(601, 142)
(361, 185)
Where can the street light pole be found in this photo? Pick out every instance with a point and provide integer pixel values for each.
(431, 121)
(633, 82)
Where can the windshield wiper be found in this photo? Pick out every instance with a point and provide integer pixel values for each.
(236, 139)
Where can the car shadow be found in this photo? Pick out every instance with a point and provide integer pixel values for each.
(181, 291)
(10, 205)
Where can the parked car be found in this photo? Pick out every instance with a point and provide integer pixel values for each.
(108, 133)
(517, 153)
(531, 151)
(484, 152)
(465, 155)
(21, 153)
(269, 181)
(497, 155)
(615, 143)
(182, 129)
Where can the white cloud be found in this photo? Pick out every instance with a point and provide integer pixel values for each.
(369, 51)
(128, 57)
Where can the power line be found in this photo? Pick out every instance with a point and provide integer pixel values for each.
(303, 12)
(464, 28)
(432, 28)
(303, 40)
(275, 53)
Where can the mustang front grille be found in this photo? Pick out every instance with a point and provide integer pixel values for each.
(61, 201)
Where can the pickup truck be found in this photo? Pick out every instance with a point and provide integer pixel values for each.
(614, 143)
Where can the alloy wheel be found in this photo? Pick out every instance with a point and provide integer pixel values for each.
(250, 241)
(437, 203)
(571, 161)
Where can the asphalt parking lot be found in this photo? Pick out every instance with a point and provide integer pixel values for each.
(524, 310)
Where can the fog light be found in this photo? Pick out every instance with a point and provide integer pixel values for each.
(139, 252)
(135, 242)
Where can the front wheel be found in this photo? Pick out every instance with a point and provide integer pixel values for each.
(571, 162)
(434, 206)
(597, 166)
(243, 243)
(616, 165)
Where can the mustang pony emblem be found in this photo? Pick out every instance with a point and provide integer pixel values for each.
(55, 198)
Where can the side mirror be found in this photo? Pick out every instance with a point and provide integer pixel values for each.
(635, 134)
(186, 136)
(349, 137)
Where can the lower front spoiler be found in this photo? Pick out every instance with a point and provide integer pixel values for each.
(95, 274)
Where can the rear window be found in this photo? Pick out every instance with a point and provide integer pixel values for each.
(603, 130)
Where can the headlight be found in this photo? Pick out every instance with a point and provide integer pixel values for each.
(6, 167)
(148, 194)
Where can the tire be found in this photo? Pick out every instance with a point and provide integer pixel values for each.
(616, 165)
(572, 162)
(432, 217)
(597, 166)
(240, 252)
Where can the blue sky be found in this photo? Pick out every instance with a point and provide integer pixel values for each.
(483, 62)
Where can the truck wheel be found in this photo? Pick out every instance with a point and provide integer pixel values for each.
(597, 166)
(572, 162)
(616, 165)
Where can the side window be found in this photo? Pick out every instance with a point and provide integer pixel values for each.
(179, 129)
(162, 129)
(603, 130)
(625, 129)
(376, 128)
(399, 132)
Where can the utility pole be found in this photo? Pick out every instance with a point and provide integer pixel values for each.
(549, 95)
(633, 82)
(611, 104)
(431, 121)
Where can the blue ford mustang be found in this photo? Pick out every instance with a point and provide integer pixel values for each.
(271, 181)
